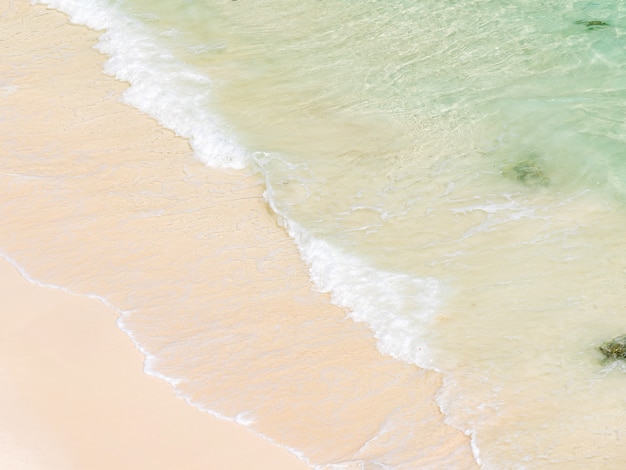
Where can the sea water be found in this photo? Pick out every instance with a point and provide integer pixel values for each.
(454, 175)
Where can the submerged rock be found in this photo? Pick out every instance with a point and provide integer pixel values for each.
(528, 172)
(614, 349)
(592, 24)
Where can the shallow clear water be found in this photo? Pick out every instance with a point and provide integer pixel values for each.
(454, 174)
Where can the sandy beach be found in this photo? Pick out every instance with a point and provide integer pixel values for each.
(73, 395)
(99, 199)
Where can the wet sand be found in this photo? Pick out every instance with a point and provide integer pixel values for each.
(73, 395)
(99, 199)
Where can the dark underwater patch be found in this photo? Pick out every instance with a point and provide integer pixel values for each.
(592, 24)
(614, 349)
(529, 172)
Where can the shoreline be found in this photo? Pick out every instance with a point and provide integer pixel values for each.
(101, 200)
(74, 395)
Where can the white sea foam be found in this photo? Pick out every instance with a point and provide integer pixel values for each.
(161, 86)
(397, 307)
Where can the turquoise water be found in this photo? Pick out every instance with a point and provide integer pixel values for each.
(453, 174)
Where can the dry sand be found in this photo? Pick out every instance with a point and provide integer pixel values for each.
(98, 198)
